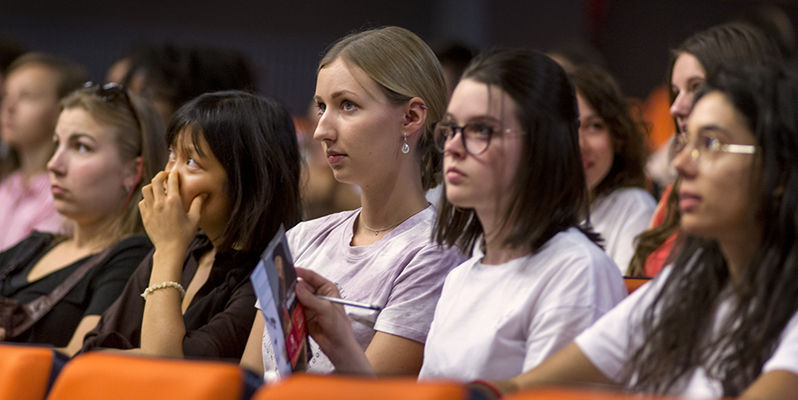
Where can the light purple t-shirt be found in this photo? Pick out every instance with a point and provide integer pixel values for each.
(403, 272)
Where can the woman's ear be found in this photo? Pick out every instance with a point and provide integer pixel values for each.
(415, 116)
(133, 172)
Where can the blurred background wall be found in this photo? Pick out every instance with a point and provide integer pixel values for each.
(285, 39)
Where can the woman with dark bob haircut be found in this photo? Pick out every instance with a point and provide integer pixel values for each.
(515, 190)
(722, 321)
(614, 154)
(233, 157)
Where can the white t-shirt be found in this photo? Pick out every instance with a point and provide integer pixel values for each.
(613, 338)
(403, 272)
(497, 321)
(620, 216)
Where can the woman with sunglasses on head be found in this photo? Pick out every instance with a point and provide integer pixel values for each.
(722, 320)
(614, 152)
(231, 181)
(378, 92)
(515, 198)
(695, 59)
(108, 145)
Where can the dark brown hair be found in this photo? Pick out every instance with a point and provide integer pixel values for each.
(678, 327)
(602, 93)
(549, 192)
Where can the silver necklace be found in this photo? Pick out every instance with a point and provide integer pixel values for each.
(377, 231)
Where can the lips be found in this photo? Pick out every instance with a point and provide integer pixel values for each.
(454, 175)
(688, 201)
(57, 191)
(334, 157)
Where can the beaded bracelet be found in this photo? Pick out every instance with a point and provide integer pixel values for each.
(164, 285)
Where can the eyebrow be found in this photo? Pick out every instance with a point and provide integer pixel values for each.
(483, 118)
(713, 129)
(336, 94)
(78, 135)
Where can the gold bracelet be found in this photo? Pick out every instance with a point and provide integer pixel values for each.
(164, 285)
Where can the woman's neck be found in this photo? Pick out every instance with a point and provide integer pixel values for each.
(34, 160)
(739, 249)
(392, 201)
(93, 236)
(386, 205)
(496, 250)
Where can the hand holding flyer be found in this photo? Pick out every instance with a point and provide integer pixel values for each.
(274, 280)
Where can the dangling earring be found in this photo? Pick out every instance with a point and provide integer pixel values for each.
(405, 147)
(127, 189)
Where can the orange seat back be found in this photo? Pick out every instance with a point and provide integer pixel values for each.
(307, 386)
(633, 283)
(114, 376)
(24, 372)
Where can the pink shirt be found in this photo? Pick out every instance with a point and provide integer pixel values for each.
(25, 207)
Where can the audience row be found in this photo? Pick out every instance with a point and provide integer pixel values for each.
(140, 236)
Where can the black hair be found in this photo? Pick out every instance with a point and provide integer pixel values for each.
(254, 140)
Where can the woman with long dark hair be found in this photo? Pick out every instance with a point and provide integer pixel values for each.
(696, 58)
(721, 321)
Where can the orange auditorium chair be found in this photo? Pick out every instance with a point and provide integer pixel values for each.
(98, 375)
(26, 371)
(337, 387)
(634, 282)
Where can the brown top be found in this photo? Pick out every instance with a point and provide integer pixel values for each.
(218, 320)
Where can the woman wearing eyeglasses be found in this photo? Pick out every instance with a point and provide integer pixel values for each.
(722, 320)
(378, 93)
(700, 55)
(108, 145)
(515, 197)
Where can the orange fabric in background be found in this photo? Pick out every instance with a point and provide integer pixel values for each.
(656, 112)
(656, 260)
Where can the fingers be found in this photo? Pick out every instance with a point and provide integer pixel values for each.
(173, 184)
(157, 183)
(318, 283)
(196, 206)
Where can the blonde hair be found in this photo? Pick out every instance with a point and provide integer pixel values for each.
(405, 67)
(142, 134)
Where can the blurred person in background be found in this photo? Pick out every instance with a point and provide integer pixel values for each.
(34, 85)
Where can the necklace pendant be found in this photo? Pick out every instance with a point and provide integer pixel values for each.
(376, 233)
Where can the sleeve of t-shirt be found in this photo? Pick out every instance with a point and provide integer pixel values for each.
(411, 304)
(115, 271)
(581, 293)
(785, 358)
(638, 211)
(610, 341)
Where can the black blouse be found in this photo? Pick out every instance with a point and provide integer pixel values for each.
(93, 294)
(218, 320)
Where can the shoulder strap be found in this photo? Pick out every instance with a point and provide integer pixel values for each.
(42, 305)
(37, 243)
